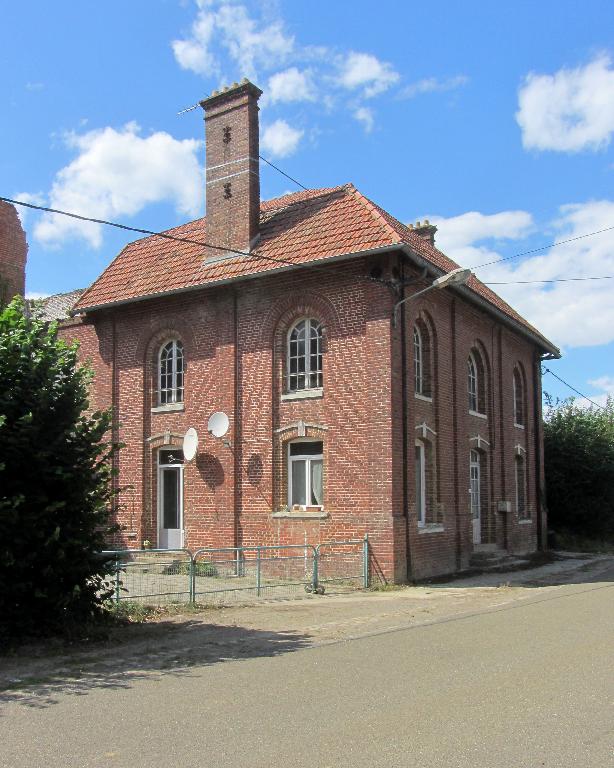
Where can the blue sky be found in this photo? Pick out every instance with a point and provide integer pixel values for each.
(493, 119)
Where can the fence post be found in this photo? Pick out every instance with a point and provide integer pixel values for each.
(365, 562)
(258, 571)
(117, 581)
(316, 557)
(192, 579)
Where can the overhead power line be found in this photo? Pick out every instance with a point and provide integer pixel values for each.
(175, 238)
(554, 280)
(283, 173)
(573, 389)
(544, 247)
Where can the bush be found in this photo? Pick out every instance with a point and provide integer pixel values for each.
(55, 490)
(579, 467)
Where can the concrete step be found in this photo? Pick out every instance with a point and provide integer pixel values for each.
(488, 557)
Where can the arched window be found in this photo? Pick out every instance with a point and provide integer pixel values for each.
(476, 383)
(518, 398)
(171, 365)
(422, 360)
(305, 355)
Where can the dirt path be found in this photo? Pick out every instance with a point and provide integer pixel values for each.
(176, 643)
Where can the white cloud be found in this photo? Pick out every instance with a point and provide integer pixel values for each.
(569, 111)
(363, 70)
(247, 41)
(572, 314)
(291, 85)
(34, 295)
(116, 173)
(364, 115)
(280, 139)
(432, 85)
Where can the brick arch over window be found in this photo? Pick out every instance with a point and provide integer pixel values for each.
(519, 389)
(478, 379)
(291, 308)
(424, 351)
(148, 351)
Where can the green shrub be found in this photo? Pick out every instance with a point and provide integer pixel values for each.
(55, 490)
(579, 468)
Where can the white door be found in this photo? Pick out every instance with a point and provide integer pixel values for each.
(170, 498)
(474, 492)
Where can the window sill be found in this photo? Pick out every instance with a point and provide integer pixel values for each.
(479, 415)
(168, 408)
(303, 394)
(431, 528)
(301, 514)
(519, 426)
(525, 521)
(426, 399)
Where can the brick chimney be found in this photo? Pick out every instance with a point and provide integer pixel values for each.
(232, 167)
(425, 229)
(13, 254)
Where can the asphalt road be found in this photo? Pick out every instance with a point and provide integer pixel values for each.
(527, 684)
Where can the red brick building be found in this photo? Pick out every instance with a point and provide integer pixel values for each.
(424, 433)
(13, 254)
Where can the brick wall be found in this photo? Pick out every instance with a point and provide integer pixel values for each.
(235, 347)
(13, 254)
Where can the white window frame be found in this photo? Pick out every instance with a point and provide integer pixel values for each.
(473, 384)
(421, 498)
(517, 376)
(475, 490)
(519, 459)
(310, 323)
(307, 458)
(174, 393)
(418, 362)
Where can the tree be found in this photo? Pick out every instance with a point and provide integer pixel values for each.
(55, 489)
(579, 467)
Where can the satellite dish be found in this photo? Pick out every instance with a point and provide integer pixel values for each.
(190, 444)
(218, 424)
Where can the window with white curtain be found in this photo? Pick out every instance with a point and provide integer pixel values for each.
(171, 366)
(305, 473)
(305, 355)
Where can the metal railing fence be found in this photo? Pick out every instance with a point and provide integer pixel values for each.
(227, 575)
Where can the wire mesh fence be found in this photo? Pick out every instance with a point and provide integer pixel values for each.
(232, 575)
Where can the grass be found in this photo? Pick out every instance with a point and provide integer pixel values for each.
(574, 542)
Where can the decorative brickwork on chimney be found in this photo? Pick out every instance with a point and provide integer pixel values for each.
(13, 254)
(232, 173)
(425, 229)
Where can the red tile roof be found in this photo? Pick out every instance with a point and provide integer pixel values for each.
(297, 229)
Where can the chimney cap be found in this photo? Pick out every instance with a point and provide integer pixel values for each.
(231, 92)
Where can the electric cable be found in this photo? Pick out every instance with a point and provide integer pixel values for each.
(573, 389)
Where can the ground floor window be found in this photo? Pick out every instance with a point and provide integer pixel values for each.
(521, 487)
(420, 467)
(305, 473)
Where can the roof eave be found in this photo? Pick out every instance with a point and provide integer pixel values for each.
(466, 292)
(239, 278)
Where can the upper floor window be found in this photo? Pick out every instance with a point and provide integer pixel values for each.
(476, 384)
(422, 360)
(171, 364)
(305, 355)
(518, 398)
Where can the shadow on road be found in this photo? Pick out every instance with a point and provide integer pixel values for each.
(160, 649)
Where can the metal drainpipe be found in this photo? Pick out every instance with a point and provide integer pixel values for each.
(237, 431)
(539, 490)
(405, 416)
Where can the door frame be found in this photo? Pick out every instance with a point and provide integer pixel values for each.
(160, 498)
